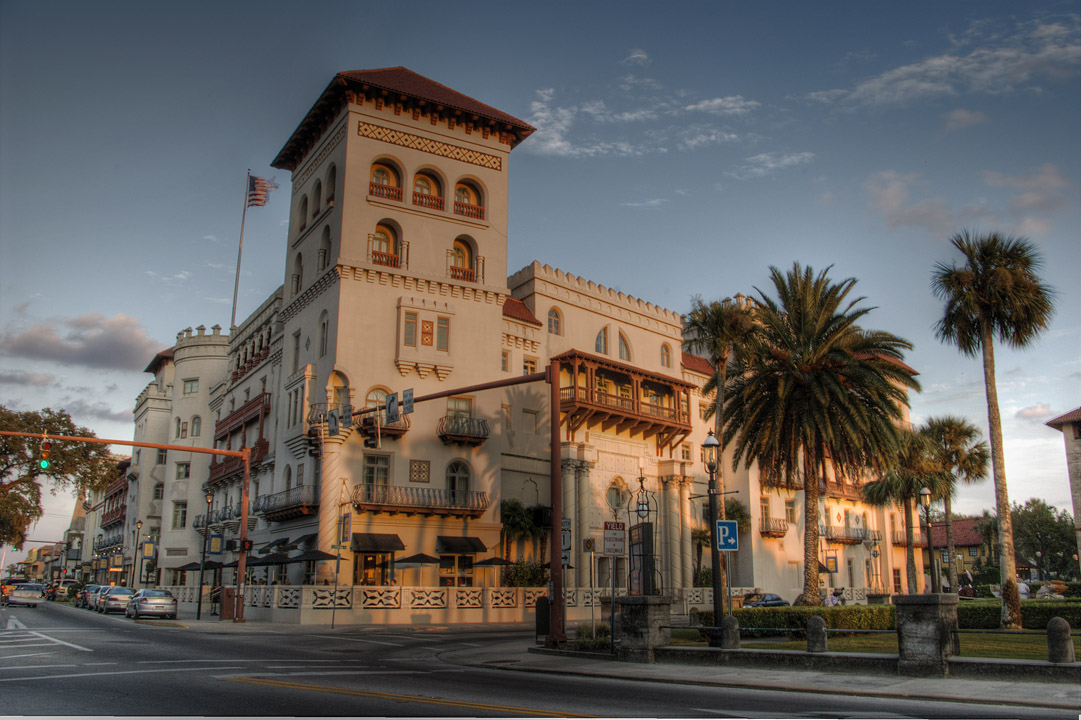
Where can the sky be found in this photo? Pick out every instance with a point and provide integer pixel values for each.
(682, 149)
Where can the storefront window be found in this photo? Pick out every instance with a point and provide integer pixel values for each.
(455, 570)
(372, 569)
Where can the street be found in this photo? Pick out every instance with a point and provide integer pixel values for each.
(59, 660)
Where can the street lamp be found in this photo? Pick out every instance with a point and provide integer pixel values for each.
(710, 449)
(209, 497)
(134, 550)
(925, 500)
(139, 549)
(1039, 565)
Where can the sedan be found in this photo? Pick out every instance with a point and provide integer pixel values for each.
(83, 598)
(151, 602)
(29, 594)
(763, 600)
(93, 601)
(116, 599)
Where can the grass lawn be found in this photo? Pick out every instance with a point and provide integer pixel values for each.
(981, 645)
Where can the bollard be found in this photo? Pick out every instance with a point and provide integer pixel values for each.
(1060, 647)
(816, 635)
(729, 633)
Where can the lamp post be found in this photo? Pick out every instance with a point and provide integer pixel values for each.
(1039, 565)
(139, 550)
(710, 450)
(925, 500)
(134, 549)
(642, 538)
(209, 497)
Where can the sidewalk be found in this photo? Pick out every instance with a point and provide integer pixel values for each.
(522, 655)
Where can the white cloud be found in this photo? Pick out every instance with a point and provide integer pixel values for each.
(21, 377)
(90, 340)
(651, 204)
(892, 198)
(961, 118)
(731, 105)
(211, 238)
(698, 136)
(1038, 411)
(553, 127)
(79, 409)
(765, 164)
(177, 277)
(637, 57)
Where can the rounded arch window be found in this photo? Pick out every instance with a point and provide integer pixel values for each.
(288, 477)
(303, 211)
(324, 249)
(468, 201)
(601, 345)
(376, 396)
(615, 495)
(624, 348)
(458, 479)
(666, 356)
(384, 244)
(555, 322)
(196, 426)
(324, 331)
(384, 182)
(317, 197)
(298, 273)
(332, 180)
(462, 254)
(178, 427)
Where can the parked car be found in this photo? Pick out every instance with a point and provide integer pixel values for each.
(64, 589)
(83, 598)
(116, 599)
(763, 600)
(28, 594)
(96, 598)
(7, 585)
(151, 602)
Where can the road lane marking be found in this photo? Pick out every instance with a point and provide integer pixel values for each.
(375, 642)
(103, 674)
(15, 624)
(507, 709)
(61, 642)
(17, 667)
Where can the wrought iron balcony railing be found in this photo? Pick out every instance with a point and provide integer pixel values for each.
(420, 501)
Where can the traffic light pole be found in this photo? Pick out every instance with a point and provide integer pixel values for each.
(244, 453)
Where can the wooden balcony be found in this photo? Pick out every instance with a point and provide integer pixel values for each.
(252, 363)
(230, 466)
(842, 535)
(386, 192)
(616, 397)
(393, 499)
(474, 212)
(431, 202)
(465, 274)
(918, 539)
(773, 527)
(461, 430)
(116, 515)
(848, 491)
(397, 257)
(255, 409)
(289, 504)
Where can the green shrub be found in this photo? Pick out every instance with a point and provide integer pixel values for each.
(1036, 613)
(525, 574)
(584, 640)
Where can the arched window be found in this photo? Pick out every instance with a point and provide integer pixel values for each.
(178, 427)
(555, 322)
(462, 264)
(288, 477)
(196, 426)
(601, 345)
(666, 356)
(323, 332)
(332, 181)
(624, 348)
(385, 246)
(376, 396)
(303, 213)
(467, 201)
(324, 249)
(384, 182)
(427, 192)
(458, 480)
(317, 198)
(298, 273)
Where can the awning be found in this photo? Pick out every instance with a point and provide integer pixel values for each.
(273, 544)
(300, 541)
(271, 559)
(460, 545)
(312, 556)
(376, 542)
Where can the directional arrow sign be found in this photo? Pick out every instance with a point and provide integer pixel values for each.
(727, 535)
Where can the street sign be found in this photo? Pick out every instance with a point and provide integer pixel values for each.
(347, 528)
(392, 407)
(148, 550)
(332, 422)
(588, 545)
(831, 563)
(347, 415)
(727, 535)
(615, 539)
(407, 401)
(214, 547)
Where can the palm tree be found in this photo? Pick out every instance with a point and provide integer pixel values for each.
(700, 539)
(961, 454)
(540, 533)
(997, 292)
(911, 470)
(815, 392)
(517, 524)
(721, 330)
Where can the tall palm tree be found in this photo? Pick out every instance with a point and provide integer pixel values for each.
(911, 470)
(957, 447)
(721, 330)
(816, 391)
(517, 524)
(997, 292)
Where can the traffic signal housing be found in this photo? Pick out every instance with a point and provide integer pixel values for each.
(46, 451)
(370, 433)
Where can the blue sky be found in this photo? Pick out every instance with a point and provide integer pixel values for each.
(682, 149)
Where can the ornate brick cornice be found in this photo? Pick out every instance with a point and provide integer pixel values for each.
(306, 298)
(435, 147)
(306, 173)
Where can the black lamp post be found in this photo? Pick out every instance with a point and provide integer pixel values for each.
(640, 510)
(139, 549)
(925, 500)
(202, 563)
(710, 449)
(135, 550)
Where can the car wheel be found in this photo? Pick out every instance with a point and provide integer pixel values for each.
(135, 614)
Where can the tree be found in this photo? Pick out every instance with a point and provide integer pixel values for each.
(997, 292)
(816, 391)
(721, 330)
(957, 447)
(1038, 528)
(541, 533)
(912, 469)
(517, 524)
(75, 466)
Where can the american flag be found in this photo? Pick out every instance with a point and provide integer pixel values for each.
(258, 189)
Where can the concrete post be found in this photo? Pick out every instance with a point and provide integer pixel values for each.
(641, 620)
(1060, 647)
(925, 640)
(730, 633)
(816, 635)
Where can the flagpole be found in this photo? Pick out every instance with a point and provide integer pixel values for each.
(240, 250)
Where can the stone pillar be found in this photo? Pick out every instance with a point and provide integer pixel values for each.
(729, 633)
(671, 571)
(641, 621)
(334, 489)
(924, 638)
(1060, 647)
(816, 635)
(686, 550)
(581, 528)
(569, 510)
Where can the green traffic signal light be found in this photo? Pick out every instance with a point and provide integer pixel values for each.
(44, 464)
(46, 451)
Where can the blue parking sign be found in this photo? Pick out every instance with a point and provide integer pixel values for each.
(727, 535)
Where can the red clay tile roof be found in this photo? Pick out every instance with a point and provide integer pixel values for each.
(398, 80)
(515, 309)
(159, 360)
(965, 533)
(697, 364)
(1070, 417)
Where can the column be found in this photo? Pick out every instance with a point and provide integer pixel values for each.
(686, 544)
(583, 507)
(669, 550)
(334, 489)
(569, 510)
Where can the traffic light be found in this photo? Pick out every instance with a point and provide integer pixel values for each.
(370, 433)
(46, 451)
(246, 546)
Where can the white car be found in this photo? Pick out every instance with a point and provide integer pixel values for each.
(29, 594)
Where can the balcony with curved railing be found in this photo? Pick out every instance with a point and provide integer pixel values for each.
(384, 191)
(231, 466)
(462, 430)
(842, 534)
(773, 527)
(394, 499)
(289, 504)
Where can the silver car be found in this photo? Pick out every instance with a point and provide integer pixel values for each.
(151, 602)
(115, 600)
(28, 594)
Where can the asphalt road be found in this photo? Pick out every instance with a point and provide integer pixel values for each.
(59, 660)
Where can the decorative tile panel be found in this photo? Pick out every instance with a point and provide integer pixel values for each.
(434, 147)
(428, 599)
(289, 598)
(326, 599)
(381, 598)
(695, 596)
(570, 597)
(469, 598)
(534, 594)
(503, 598)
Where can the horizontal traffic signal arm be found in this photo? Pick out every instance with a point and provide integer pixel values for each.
(131, 443)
